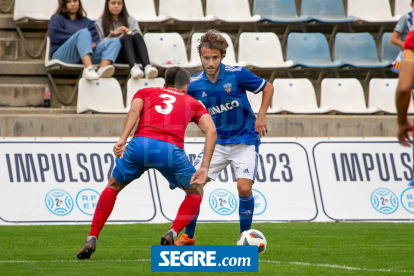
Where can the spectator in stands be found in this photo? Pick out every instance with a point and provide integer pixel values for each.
(74, 39)
(115, 22)
(404, 26)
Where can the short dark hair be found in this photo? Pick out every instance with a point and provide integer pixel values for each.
(214, 40)
(63, 11)
(177, 77)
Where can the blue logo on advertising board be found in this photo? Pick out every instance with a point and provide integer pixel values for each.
(223, 202)
(59, 202)
(86, 200)
(224, 258)
(407, 200)
(384, 201)
(260, 203)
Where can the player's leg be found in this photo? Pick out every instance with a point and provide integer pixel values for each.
(244, 161)
(218, 163)
(103, 210)
(127, 169)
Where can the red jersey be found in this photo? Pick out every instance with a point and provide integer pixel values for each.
(166, 114)
(409, 41)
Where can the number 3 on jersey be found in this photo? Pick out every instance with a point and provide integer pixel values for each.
(169, 101)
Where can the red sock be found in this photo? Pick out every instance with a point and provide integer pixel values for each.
(103, 210)
(187, 211)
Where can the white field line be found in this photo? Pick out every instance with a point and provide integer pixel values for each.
(261, 261)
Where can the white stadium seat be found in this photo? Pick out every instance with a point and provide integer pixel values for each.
(402, 7)
(295, 96)
(134, 85)
(344, 95)
(262, 50)
(230, 10)
(103, 95)
(255, 100)
(371, 10)
(93, 8)
(382, 95)
(183, 10)
(161, 49)
(143, 11)
(35, 9)
(230, 58)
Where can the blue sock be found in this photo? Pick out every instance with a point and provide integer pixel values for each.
(246, 210)
(190, 228)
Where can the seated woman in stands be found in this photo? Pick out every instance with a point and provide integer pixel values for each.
(115, 22)
(74, 39)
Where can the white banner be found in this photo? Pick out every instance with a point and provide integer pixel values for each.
(53, 180)
(283, 190)
(57, 181)
(365, 180)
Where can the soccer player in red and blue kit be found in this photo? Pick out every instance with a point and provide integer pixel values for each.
(403, 94)
(158, 143)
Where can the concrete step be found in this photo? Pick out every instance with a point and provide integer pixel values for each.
(21, 95)
(111, 125)
(23, 67)
(36, 110)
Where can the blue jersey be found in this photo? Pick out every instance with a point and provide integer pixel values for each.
(226, 100)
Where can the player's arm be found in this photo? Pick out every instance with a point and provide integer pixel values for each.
(402, 99)
(130, 121)
(207, 126)
(261, 122)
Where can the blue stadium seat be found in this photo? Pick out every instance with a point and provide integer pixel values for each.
(358, 50)
(330, 11)
(389, 51)
(277, 11)
(310, 50)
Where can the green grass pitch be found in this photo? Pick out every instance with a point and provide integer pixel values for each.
(293, 248)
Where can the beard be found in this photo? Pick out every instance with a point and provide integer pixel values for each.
(215, 71)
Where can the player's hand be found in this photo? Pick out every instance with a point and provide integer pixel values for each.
(403, 137)
(261, 125)
(119, 149)
(199, 177)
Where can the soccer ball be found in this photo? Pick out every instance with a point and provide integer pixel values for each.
(253, 237)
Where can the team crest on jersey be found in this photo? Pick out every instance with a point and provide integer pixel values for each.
(227, 87)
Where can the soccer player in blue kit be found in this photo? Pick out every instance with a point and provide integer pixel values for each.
(222, 89)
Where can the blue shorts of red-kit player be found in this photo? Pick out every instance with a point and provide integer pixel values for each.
(143, 153)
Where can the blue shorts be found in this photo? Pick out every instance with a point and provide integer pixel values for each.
(143, 153)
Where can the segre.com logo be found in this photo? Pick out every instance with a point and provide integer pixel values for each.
(225, 258)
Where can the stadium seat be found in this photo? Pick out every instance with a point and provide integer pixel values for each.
(277, 11)
(329, 11)
(262, 50)
(389, 51)
(255, 100)
(230, 10)
(382, 95)
(310, 50)
(344, 95)
(184, 10)
(230, 58)
(371, 10)
(161, 49)
(103, 95)
(295, 96)
(94, 8)
(134, 85)
(402, 7)
(35, 9)
(358, 50)
(144, 11)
